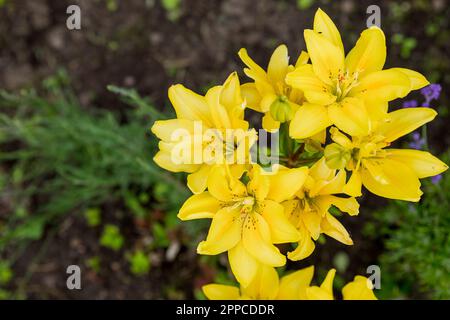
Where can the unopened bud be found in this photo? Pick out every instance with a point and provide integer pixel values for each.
(336, 156)
(281, 110)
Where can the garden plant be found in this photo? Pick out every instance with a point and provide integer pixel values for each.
(336, 128)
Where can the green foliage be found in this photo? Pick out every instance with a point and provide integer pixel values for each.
(304, 4)
(63, 157)
(417, 245)
(160, 238)
(112, 5)
(6, 273)
(173, 8)
(93, 217)
(111, 237)
(139, 263)
(94, 263)
(407, 44)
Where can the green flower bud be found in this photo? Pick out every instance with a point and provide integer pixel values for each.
(337, 156)
(281, 110)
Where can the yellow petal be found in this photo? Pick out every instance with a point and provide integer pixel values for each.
(278, 65)
(390, 179)
(315, 90)
(327, 59)
(224, 187)
(333, 186)
(302, 59)
(224, 232)
(309, 120)
(354, 184)
(349, 205)
(257, 73)
(320, 170)
(340, 138)
(189, 105)
(312, 219)
(359, 289)
(377, 109)
(350, 115)
(221, 292)
(417, 80)
(269, 124)
(243, 265)
(304, 248)
(164, 159)
(404, 121)
(369, 53)
(333, 228)
(257, 240)
(218, 112)
(251, 96)
(199, 206)
(422, 163)
(327, 283)
(166, 129)
(264, 286)
(316, 293)
(196, 181)
(326, 27)
(259, 183)
(291, 284)
(230, 96)
(285, 183)
(384, 85)
(281, 230)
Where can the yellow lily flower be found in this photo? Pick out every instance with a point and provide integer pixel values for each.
(390, 173)
(346, 91)
(269, 93)
(187, 144)
(308, 211)
(296, 286)
(247, 220)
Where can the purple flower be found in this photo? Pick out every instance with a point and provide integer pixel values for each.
(418, 142)
(430, 93)
(436, 179)
(410, 104)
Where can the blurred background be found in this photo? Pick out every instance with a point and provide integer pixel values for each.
(77, 180)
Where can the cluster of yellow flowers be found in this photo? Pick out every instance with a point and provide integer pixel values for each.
(325, 93)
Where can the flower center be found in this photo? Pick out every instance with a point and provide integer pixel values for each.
(345, 82)
(247, 204)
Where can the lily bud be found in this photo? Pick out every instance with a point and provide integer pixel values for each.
(281, 110)
(336, 156)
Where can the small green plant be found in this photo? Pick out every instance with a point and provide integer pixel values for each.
(94, 263)
(160, 238)
(6, 273)
(93, 217)
(111, 237)
(173, 8)
(139, 263)
(407, 44)
(304, 4)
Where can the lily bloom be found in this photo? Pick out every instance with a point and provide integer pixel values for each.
(390, 173)
(269, 93)
(346, 91)
(309, 209)
(247, 219)
(190, 143)
(295, 286)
